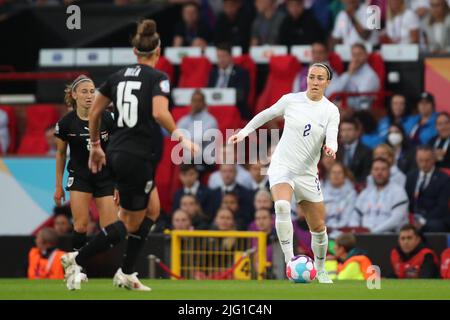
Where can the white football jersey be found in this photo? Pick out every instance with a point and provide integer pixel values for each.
(308, 125)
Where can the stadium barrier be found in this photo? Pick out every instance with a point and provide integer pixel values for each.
(218, 254)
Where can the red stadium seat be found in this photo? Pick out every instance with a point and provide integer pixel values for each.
(165, 66)
(336, 62)
(283, 70)
(179, 112)
(12, 128)
(194, 72)
(227, 117)
(445, 264)
(246, 62)
(39, 118)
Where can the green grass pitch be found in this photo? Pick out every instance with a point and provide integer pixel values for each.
(12, 289)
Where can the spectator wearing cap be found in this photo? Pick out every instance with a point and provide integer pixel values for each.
(411, 259)
(359, 77)
(441, 142)
(429, 191)
(189, 178)
(421, 127)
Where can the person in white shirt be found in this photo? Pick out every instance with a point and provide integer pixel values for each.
(311, 125)
(381, 206)
(199, 118)
(386, 152)
(360, 77)
(437, 27)
(402, 25)
(350, 25)
(339, 197)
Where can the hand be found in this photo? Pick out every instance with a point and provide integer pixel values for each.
(352, 67)
(236, 138)
(116, 197)
(59, 195)
(329, 152)
(97, 159)
(440, 154)
(192, 147)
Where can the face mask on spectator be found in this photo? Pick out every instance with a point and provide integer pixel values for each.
(395, 138)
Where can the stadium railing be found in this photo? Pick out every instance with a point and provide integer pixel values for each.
(218, 255)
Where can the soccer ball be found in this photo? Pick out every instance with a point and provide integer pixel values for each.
(300, 269)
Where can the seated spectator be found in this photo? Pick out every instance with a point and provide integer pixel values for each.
(228, 75)
(44, 260)
(50, 138)
(353, 263)
(224, 221)
(381, 206)
(319, 54)
(411, 259)
(359, 77)
(260, 181)
(385, 152)
(300, 26)
(191, 185)
(429, 191)
(402, 25)
(339, 198)
(191, 206)
(352, 153)
(228, 156)
(325, 165)
(231, 201)
(263, 200)
(191, 31)
(197, 122)
(368, 124)
(233, 25)
(420, 7)
(181, 221)
(62, 225)
(437, 27)
(397, 113)
(405, 153)
(421, 127)
(266, 26)
(245, 197)
(350, 26)
(4, 132)
(441, 142)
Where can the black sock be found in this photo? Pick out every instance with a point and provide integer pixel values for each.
(135, 243)
(79, 239)
(107, 238)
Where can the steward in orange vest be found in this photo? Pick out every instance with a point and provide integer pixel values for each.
(44, 260)
(411, 259)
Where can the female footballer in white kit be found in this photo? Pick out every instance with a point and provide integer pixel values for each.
(311, 123)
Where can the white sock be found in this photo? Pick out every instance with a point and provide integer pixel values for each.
(319, 246)
(283, 225)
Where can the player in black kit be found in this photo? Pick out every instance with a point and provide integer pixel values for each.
(140, 97)
(73, 131)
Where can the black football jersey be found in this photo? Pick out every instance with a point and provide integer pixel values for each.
(75, 132)
(131, 90)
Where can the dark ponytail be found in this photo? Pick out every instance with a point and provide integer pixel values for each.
(146, 39)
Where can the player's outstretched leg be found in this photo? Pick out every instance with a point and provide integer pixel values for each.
(285, 230)
(73, 262)
(315, 217)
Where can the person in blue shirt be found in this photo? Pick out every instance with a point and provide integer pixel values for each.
(421, 127)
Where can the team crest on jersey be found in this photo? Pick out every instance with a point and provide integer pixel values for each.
(165, 86)
(70, 182)
(148, 186)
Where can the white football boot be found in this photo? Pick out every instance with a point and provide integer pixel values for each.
(129, 281)
(322, 277)
(72, 271)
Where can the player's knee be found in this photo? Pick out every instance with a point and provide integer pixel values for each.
(80, 226)
(319, 227)
(282, 208)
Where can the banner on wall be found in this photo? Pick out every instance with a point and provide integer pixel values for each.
(437, 81)
(26, 194)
